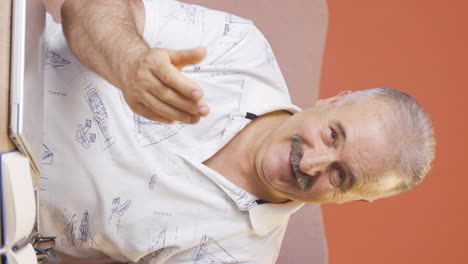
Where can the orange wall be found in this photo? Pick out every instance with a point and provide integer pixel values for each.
(420, 47)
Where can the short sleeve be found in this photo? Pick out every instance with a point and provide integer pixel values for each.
(175, 25)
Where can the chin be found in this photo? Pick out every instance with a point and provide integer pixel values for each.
(278, 155)
(316, 196)
(271, 168)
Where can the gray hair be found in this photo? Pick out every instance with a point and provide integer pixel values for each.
(410, 129)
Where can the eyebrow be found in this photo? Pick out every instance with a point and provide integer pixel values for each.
(352, 177)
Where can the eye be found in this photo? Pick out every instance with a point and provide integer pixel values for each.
(340, 177)
(333, 134)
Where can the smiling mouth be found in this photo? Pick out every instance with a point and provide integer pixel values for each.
(304, 181)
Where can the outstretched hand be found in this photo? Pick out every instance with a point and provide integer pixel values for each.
(157, 90)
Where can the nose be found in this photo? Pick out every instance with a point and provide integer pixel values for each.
(315, 161)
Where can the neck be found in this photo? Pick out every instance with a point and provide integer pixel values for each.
(247, 144)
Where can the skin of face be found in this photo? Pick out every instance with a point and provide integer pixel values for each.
(344, 154)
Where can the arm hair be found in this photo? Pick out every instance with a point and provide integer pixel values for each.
(105, 35)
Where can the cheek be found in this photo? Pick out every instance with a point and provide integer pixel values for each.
(322, 190)
(271, 161)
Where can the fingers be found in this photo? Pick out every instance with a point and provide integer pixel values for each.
(168, 103)
(182, 58)
(172, 77)
(164, 110)
(160, 92)
(172, 97)
(169, 112)
(142, 110)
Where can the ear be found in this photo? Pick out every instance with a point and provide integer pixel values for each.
(333, 99)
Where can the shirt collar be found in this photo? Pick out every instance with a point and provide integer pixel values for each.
(266, 217)
(259, 98)
(243, 199)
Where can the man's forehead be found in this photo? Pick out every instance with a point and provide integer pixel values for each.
(388, 182)
(365, 108)
(369, 156)
(366, 151)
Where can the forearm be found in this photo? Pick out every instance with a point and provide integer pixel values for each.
(106, 35)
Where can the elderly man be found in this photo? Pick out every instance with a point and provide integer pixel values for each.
(129, 184)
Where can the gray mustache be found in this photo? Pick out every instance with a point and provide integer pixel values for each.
(304, 181)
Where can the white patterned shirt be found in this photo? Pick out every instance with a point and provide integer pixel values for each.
(116, 184)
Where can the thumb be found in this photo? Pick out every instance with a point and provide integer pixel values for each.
(182, 58)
